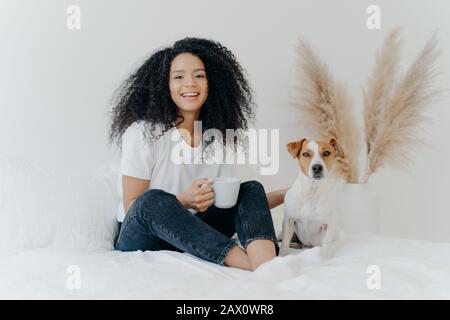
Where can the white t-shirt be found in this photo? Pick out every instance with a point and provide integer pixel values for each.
(154, 161)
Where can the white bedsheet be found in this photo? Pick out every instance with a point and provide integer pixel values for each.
(409, 269)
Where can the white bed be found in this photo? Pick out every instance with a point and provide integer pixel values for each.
(56, 243)
(408, 270)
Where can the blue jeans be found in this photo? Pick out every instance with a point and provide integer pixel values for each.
(158, 221)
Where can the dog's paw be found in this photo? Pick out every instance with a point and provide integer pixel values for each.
(296, 245)
(326, 253)
(284, 251)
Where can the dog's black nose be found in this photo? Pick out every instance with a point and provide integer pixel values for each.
(317, 168)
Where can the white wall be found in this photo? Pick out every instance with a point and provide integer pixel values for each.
(56, 84)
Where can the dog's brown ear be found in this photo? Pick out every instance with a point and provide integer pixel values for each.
(295, 147)
(336, 146)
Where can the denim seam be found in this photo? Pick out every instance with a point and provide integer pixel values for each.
(137, 207)
(122, 228)
(225, 251)
(259, 238)
(244, 221)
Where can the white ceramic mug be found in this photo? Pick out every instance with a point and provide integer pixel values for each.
(226, 191)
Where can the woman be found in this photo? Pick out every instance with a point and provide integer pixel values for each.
(166, 205)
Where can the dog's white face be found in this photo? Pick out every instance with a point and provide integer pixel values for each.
(315, 158)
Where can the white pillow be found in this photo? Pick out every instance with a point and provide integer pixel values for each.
(40, 206)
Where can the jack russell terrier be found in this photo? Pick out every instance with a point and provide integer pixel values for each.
(310, 209)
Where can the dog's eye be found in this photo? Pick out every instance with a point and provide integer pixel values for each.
(305, 154)
(326, 153)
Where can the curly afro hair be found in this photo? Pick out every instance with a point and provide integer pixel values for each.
(145, 95)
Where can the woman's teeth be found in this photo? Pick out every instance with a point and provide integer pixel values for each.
(194, 94)
(190, 96)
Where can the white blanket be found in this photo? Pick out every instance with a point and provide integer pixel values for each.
(407, 269)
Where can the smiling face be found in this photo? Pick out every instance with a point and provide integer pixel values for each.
(188, 83)
(315, 158)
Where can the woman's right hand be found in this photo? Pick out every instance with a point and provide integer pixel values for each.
(199, 196)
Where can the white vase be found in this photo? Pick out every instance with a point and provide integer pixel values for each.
(358, 209)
